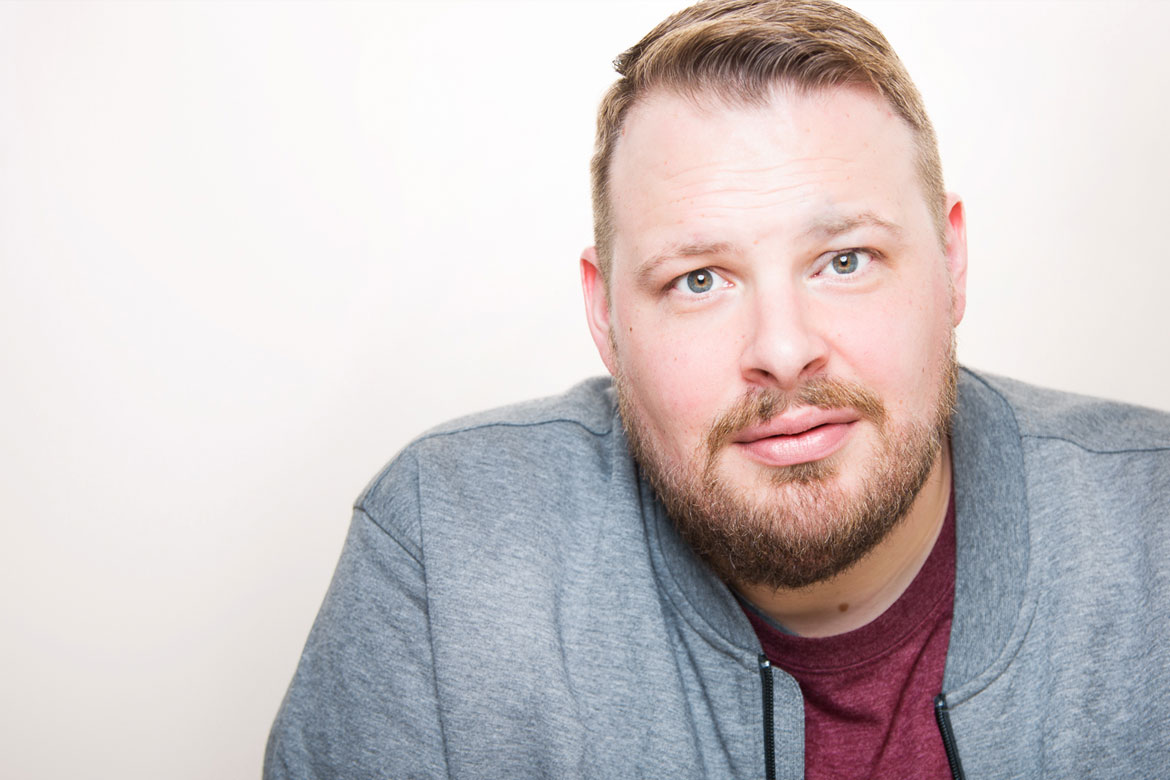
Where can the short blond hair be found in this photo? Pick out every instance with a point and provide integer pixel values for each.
(738, 51)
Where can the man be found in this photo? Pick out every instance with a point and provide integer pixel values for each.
(792, 538)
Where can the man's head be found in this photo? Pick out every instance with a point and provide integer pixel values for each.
(776, 282)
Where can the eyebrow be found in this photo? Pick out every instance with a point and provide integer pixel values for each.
(835, 225)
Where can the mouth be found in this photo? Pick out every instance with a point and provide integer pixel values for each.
(802, 436)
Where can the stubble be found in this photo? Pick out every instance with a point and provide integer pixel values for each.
(798, 525)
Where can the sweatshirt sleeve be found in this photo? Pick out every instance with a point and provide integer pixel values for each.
(362, 702)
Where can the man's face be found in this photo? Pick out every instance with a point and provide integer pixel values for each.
(779, 321)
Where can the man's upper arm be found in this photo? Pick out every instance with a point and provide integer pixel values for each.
(362, 702)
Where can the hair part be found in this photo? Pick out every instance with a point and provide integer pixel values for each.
(739, 52)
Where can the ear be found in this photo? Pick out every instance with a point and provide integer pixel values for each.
(597, 306)
(956, 252)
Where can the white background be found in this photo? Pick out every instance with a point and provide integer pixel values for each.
(248, 250)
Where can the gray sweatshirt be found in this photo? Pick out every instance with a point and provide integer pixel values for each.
(512, 602)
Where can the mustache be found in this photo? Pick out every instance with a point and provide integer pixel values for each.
(759, 406)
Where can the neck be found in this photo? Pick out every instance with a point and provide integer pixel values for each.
(865, 590)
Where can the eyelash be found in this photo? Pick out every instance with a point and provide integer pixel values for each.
(831, 256)
(677, 281)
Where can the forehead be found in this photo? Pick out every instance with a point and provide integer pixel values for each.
(701, 169)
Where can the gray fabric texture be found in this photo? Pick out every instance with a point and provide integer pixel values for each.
(512, 602)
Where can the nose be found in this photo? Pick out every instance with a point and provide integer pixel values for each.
(784, 346)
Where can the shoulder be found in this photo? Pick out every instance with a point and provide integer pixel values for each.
(1092, 424)
(551, 431)
(504, 460)
(587, 406)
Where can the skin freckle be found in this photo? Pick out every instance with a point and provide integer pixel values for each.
(843, 607)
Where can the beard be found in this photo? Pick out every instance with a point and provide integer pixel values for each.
(796, 526)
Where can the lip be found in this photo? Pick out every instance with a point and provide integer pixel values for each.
(799, 436)
(795, 422)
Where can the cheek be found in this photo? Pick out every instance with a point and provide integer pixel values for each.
(680, 379)
(895, 344)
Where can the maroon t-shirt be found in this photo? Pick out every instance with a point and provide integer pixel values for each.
(869, 693)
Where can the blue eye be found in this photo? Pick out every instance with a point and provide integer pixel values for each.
(848, 262)
(699, 281)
